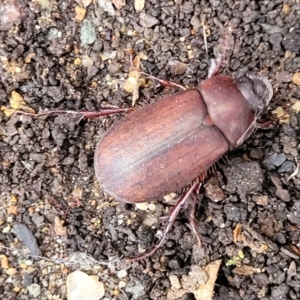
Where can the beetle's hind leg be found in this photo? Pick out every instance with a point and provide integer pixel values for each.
(181, 203)
(193, 224)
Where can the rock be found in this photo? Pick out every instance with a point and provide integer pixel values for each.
(81, 286)
(275, 160)
(87, 33)
(136, 289)
(29, 240)
(147, 20)
(34, 290)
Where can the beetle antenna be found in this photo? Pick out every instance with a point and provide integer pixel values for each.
(222, 52)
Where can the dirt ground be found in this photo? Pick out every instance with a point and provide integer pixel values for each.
(52, 56)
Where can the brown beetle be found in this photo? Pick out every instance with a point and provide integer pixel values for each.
(164, 146)
(171, 143)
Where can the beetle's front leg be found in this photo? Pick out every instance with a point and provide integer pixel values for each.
(164, 82)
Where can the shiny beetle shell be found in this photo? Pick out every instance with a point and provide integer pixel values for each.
(162, 147)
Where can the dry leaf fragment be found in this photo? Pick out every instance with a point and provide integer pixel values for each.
(59, 228)
(84, 3)
(296, 106)
(119, 3)
(261, 200)
(139, 5)
(286, 9)
(132, 83)
(84, 287)
(295, 173)
(296, 79)
(4, 261)
(282, 115)
(249, 238)
(206, 291)
(246, 270)
(79, 13)
(107, 6)
(12, 209)
(177, 67)
(16, 100)
(8, 112)
(199, 281)
(237, 233)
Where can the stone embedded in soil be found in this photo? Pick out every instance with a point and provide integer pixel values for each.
(29, 240)
(275, 160)
(286, 167)
(34, 290)
(136, 289)
(291, 41)
(147, 20)
(9, 13)
(81, 286)
(243, 177)
(87, 33)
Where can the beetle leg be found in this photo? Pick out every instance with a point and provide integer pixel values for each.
(222, 52)
(164, 82)
(192, 220)
(80, 114)
(183, 201)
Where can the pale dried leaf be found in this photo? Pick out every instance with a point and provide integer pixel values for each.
(296, 106)
(282, 115)
(59, 228)
(237, 233)
(4, 261)
(107, 6)
(132, 85)
(199, 281)
(81, 286)
(77, 193)
(79, 13)
(286, 9)
(8, 112)
(206, 291)
(84, 3)
(296, 79)
(246, 270)
(119, 3)
(16, 100)
(262, 200)
(296, 171)
(139, 5)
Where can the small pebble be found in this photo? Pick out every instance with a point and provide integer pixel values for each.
(11, 271)
(275, 160)
(122, 284)
(122, 274)
(147, 20)
(87, 33)
(34, 290)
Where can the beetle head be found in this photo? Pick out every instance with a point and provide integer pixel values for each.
(258, 91)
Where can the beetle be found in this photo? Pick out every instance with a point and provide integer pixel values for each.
(170, 144)
(164, 146)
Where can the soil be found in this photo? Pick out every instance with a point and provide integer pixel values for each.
(47, 177)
